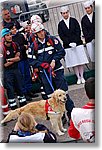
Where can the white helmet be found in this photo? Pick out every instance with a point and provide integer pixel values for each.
(35, 18)
(36, 27)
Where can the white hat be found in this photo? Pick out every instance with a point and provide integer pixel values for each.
(24, 24)
(64, 9)
(92, 1)
(36, 27)
(36, 18)
(87, 4)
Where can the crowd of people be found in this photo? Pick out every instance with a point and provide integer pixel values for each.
(29, 52)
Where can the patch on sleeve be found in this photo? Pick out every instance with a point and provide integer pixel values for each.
(56, 41)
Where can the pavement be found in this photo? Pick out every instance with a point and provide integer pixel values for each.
(79, 97)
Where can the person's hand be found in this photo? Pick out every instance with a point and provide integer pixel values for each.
(16, 128)
(52, 64)
(72, 45)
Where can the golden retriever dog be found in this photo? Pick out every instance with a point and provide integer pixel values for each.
(37, 109)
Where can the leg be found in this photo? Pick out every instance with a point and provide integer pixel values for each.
(19, 85)
(69, 106)
(81, 71)
(76, 70)
(46, 89)
(54, 122)
(9, 85)
(61, 125)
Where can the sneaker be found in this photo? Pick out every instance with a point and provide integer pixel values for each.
(79, 81)
(82, 80)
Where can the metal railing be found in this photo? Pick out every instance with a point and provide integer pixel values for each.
(76, 10)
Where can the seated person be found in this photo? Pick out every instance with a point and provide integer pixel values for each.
(27, 130)
(82, 123)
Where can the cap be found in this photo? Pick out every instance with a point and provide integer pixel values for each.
(64, 9)
(87, 4)
(5, 31)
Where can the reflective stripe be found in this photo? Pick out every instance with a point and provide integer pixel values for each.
(6, 113)
(49, 48)
(45, 49)
(59, 68)
(11, 100)
(22, 100)
(43, 93)
(4, 106)
(49, 96)
(30, 56)
(41, 88)
(13, 104)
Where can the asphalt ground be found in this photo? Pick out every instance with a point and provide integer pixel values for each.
(77, 94)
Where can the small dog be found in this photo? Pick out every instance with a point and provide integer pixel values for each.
(37, 109)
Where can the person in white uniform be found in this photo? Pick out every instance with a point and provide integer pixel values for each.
(70, 33)
(88, 28)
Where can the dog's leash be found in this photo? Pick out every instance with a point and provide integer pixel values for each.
(49, 79)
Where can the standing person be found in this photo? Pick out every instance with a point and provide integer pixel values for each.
(70, 33)
(82, 123)
(29, 131)
(88, 28)
(12, 75)
(7, 20)
(45, 55)
(23, 64)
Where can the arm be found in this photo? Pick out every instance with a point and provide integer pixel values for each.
(10, 61)
(59, 50)
(62, 35)
(73, 132)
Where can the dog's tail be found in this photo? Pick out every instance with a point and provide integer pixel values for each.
(13, 114)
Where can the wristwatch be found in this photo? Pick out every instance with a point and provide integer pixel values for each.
(8, 60)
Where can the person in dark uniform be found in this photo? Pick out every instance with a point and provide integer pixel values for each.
(70, 33)
(7, 20)
(12, 75)
(45, 55)
(88, 28)
(23, 64)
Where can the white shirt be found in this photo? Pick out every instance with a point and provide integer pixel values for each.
(90, 17)
(67, 22)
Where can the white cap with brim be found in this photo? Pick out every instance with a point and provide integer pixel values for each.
(64, 9)
(87, 4)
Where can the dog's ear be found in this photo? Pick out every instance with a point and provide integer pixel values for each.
(53, 95)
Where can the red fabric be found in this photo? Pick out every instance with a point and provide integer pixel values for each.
(73, 132)
(3, 100)
(89, 106)
(45, 65)
(47, 107)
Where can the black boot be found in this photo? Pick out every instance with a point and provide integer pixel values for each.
(31, 94)
(22, 101)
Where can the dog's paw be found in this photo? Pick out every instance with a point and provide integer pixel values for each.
(63, 129)
(60, 133)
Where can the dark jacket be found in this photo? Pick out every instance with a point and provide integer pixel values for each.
(46, 53)
(73, 34)
(20, 39)
(88, 28)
